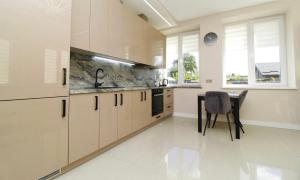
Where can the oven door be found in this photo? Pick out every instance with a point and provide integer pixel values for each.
(157, 104)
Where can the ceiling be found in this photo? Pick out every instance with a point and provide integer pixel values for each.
(175, 11)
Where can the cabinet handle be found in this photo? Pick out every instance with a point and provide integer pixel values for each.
(157, 117)
(64, 103)
(141, 96)
(145, 94)
(96, 103)
(64, 77)
(169, 96)
(121, 103)
(116, 100)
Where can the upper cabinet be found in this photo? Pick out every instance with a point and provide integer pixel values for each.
(107, 27)
(99, 26)
(34, 48)
(80, 31)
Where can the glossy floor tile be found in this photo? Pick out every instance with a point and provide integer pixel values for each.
(174, 150)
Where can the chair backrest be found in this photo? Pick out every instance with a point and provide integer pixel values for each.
(243, 96)
(217, 102)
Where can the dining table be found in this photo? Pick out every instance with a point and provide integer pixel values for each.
(235, 99)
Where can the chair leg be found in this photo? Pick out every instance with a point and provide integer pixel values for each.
(229, 126)
(241, 126)
(208, 115)
(216, 117)
(209, 119)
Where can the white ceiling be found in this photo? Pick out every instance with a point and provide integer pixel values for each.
(182, 10)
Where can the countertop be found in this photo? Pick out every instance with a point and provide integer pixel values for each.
(118, 89)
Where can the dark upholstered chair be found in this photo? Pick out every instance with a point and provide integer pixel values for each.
(243, 97)
(217, 103)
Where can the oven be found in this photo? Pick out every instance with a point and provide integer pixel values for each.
(157, 101)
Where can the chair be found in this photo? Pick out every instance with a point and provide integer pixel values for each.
(242, 99)
(217, 103)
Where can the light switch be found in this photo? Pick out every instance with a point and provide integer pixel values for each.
(209, 81)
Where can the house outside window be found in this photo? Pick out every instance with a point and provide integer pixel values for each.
(255, 53)
(183, 58)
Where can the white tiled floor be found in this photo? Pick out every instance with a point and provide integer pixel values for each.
(174, 150)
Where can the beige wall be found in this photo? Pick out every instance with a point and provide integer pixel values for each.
(261, 106)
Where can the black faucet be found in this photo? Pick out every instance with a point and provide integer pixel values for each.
(97, 84)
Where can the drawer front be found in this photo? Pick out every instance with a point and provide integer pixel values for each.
(169, 108)
(168, 98)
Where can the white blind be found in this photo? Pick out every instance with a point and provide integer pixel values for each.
(236, 49)
(190, 43)
(267, 41)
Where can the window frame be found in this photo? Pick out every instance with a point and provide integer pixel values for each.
(180, 57)
(251, 59)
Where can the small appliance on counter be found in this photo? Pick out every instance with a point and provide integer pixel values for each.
(164, 82)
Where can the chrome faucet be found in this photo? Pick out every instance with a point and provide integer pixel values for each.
(97, 84)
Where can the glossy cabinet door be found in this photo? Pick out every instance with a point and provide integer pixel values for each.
(116, 29)
(129, 37)
(124, 114)
(99, 22)
(33, 137)
(83, 125)
(108, 118)
(141, 109)
(34, 48)
(147, 115)
(157, 48)
(80, 31)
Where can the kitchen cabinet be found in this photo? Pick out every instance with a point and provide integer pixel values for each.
(84, 125)
(80, 26)
(33, 137)
(115, 117)
(116, 29)
(168, 102)
(108, 118)
(34, 48)
(129, 38)
(157, 47)
(141, 109)
(99, 26)
(124, 114)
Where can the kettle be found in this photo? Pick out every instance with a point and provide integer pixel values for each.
(165, 82)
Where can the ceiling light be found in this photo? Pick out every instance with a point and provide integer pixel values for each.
(161, 16)
(111, 60)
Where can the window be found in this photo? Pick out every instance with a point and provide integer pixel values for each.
(183, 58)
(254, 53)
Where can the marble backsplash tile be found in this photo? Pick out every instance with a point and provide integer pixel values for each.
(83, 71)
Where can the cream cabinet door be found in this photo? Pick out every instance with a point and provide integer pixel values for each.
(99, 22)
(34, 48)
(137, 110)
(147, 115)
(116, 29)
(33, 137)
(108, 118)
(80, 31)
(124, 114)
(157, 47)
(129, 37)
(84, 125)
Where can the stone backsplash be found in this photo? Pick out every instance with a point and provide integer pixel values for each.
(84, 67)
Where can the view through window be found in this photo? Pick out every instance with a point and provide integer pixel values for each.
(255, 53)
(183, 58)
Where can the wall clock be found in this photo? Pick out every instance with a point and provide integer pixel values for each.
(210, 38)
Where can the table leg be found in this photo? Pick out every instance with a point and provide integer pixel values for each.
(199, 115)
(236, 112)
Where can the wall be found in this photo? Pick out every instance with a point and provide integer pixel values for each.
(279, 108)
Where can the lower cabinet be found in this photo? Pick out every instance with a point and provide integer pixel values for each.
(33, 137)
(83, 126)
(108, 118)
(124, 115)
(141, 109)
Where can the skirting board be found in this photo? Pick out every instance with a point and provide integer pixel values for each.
(248, 122)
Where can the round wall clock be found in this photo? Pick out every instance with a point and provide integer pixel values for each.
(210, 38)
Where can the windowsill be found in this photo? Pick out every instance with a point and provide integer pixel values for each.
(185, 86)
(260, 88)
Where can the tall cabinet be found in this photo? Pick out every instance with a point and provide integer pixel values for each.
(34, 87)
(34, 49)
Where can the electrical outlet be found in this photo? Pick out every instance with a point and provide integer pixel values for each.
(209, 81)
